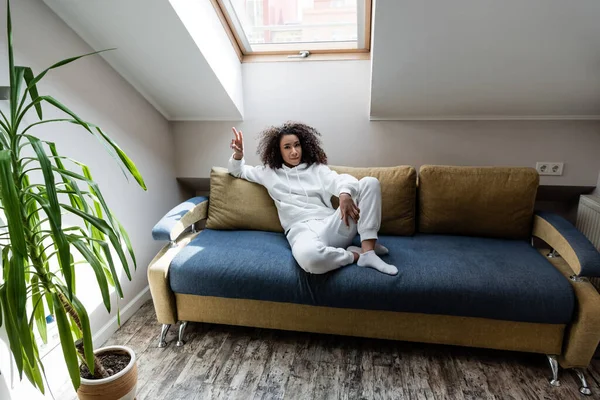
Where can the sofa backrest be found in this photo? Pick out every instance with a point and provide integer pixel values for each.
(477, 201)
(398, 196)
(238, 204)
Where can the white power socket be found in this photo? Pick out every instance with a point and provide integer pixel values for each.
(549, 168)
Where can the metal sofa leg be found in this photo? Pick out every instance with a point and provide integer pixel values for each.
(584, 388)
(553, 254)
(163, 335)
(180, 341)
(554, 366)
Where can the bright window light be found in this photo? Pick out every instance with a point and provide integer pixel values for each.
(279, 26)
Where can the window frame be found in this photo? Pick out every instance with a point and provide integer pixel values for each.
(319, 51)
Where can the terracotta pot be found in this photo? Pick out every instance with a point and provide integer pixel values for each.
(121, 386)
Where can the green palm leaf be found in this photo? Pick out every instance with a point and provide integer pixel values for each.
(61, 63)
(12, 332)
(32, 89)
(60, 240)
(126, 160)
(16, 88)
(38, 310)
(15, 282)
(66, 341)
(106, 229)
(77, 198)
(128, 243)
(26, 336)
(84, 320)
(11, 59)
(96, 266)
(1, 287)
(33, 374)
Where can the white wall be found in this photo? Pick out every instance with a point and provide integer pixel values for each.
(203, 24)
(98, 94)
(479, 58)
(334, 97)
(176, 69)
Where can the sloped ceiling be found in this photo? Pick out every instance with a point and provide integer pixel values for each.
(155, 53)
(486, 59)
(431, 59)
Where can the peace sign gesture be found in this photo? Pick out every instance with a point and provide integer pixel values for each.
(237, 144)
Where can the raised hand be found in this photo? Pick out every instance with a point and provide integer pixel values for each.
(237, 144)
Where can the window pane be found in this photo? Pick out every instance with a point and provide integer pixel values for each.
(297, 21)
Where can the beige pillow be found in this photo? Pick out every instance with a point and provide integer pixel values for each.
(238, 204)
(477, 201)
(398, 196)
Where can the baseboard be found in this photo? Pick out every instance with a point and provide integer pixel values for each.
(126, 312)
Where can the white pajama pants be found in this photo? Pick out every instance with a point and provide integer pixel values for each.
(319, 245)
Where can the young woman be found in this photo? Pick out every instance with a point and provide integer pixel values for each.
(297, 177)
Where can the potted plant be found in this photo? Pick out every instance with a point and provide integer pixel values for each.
(41, 253)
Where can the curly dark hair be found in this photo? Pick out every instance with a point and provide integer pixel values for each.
(268, 146)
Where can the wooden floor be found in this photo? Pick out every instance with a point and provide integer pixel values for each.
(223, 362)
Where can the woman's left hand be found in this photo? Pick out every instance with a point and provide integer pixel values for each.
(348, 208)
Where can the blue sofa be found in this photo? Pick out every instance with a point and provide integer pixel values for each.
(461, 239)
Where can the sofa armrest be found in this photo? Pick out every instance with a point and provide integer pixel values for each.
(583, 332)
(180, 218)
(571, 244)
(158, 279)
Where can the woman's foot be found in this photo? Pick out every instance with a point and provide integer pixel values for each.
(379, 249)
(372, 260)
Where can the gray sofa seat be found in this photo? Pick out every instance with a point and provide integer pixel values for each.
(439, 274)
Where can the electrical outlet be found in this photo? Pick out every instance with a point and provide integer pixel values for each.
(549, 168)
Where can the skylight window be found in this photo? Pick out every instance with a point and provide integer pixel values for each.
(294, 26)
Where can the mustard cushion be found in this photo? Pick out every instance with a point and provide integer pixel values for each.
(398, 196)
(477, 201)
(238, 204)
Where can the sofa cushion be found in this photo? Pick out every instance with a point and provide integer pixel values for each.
(447, 275)
(477, 201)
(239, 204)
(398, 196)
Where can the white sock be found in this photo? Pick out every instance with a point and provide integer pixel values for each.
(380, 250)
(370, 259)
